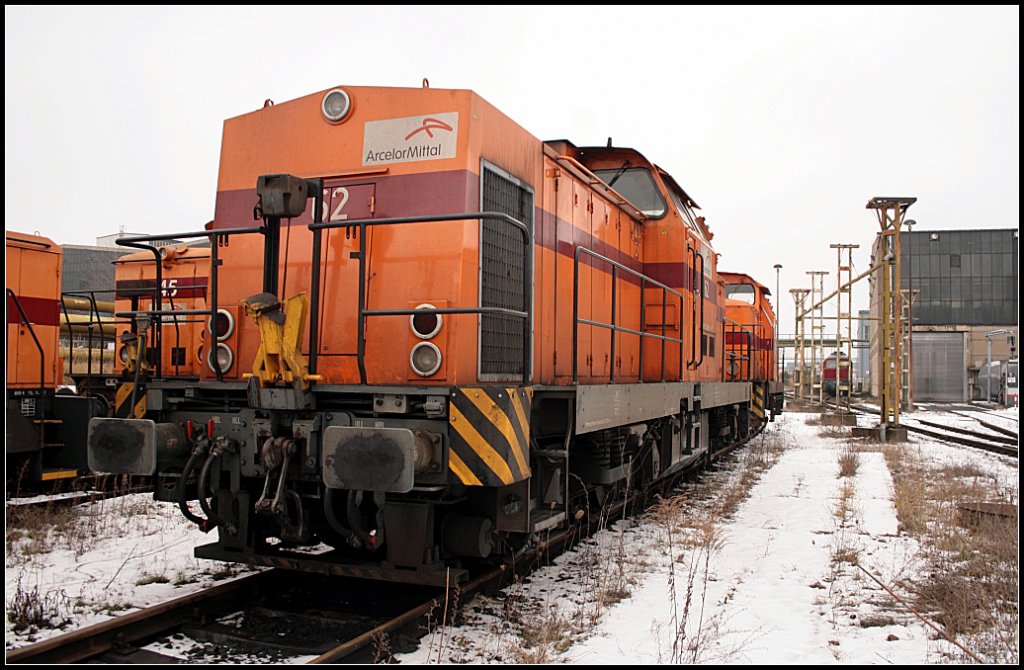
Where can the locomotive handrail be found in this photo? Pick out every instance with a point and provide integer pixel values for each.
(215, 236)
(699, 275)
(362, 225)
(750, 338)
(11, 296)
(91, 325)
(693, 310)
(613, 326)
(759, 356)
(42, 357)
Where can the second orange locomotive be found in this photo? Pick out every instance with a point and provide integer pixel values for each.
(454, 335)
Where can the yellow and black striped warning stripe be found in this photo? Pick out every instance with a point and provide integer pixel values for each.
(123, 398)
(490, 435)
(757, 402)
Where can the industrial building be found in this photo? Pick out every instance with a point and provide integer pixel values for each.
(964, 289)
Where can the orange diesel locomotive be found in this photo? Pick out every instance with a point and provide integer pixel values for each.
(45, 440)
(178, 347)
(750, 341)
(453, 335)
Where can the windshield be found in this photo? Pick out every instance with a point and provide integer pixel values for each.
(638, 186)
(686, 212)
(741, 292)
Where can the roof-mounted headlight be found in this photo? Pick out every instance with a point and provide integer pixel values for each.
(336, 105)
(425, 359)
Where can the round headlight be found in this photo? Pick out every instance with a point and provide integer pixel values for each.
(223, 325)
(336, 105)
(425, 325)
(425, 359)
(225, 358)
(123, 355)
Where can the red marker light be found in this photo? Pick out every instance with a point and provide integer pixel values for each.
(209, 428)
(190, 430)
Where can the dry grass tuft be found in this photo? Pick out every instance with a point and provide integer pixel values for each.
(542, 638)
(28, 610)
(849, 462)
(32, 530)
(963, 470)
(845, 548)
(382, 649)
(152, 578)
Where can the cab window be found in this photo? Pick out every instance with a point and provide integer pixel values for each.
(740, 292)
(638, 186)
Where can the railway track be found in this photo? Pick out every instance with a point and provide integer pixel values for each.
(994, 447)
(1005, 445)
(992, 426)
(70, 499)
(271, 616)
(278, 614)
(94, 641)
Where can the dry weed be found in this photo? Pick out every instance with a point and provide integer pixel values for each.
(29, 610)
(968, 580)
(849, 462)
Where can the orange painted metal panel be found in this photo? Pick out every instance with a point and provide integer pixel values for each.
(365, 177)
(33, 276)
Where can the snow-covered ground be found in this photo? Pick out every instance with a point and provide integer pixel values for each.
(775, 584)
(102, 559)
(769, 582)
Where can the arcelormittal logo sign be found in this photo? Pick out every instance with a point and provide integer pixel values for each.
(412, 138)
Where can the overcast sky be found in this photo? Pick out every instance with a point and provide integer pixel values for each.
(780, 123)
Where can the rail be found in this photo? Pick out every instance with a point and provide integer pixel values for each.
(613, 326)
(996, 447)
(359, 227)
(92, 641)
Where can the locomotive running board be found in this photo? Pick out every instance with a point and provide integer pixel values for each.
(603, 406)
(331, 564)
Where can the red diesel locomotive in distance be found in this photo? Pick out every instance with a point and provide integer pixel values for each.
(453, 337)
(833, 367)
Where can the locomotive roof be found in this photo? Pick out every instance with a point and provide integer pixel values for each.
(743, 277)
(33, 241)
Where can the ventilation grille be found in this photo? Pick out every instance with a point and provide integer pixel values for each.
(501, 276)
